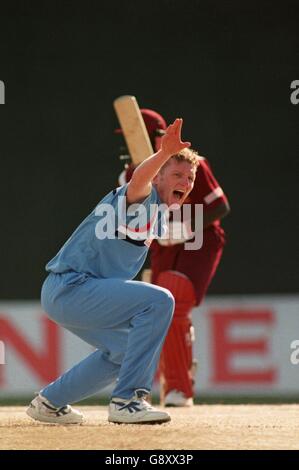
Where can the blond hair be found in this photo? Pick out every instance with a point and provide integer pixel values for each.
(186, 155)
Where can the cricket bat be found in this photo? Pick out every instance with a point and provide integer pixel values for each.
(133, 127)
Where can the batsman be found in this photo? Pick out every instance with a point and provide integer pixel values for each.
(187, 274)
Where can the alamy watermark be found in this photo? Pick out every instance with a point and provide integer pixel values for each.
(2, 92)
(294, 97)
(139, 222)
(2, 353)
(294, 358)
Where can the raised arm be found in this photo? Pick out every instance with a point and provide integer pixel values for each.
(140, 185)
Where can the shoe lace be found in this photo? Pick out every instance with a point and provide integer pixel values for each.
(56, 410)
(145, 404)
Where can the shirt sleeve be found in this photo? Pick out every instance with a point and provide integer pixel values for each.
(139, 220)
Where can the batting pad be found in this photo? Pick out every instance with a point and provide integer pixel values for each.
(176, 357)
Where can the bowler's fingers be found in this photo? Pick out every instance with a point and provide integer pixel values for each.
(175, 127)
(170, 128)
(186, 144)
(178, 126)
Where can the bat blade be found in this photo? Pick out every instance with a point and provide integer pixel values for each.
(133, 127)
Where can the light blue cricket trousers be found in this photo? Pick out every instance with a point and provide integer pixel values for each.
(126, 321)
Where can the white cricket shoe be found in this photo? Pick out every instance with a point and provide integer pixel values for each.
(135, 411)
(176, 398)
(42, 410)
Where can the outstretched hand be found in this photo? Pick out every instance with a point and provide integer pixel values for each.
(171, 141)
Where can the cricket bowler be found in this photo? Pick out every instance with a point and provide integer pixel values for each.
(90, 292)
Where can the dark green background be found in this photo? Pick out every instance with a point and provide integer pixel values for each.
(224, 66)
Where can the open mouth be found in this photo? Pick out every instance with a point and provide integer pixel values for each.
(178, 194)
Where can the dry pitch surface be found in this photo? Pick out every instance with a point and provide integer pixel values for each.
(202, 427)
